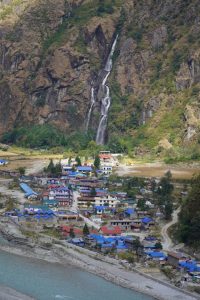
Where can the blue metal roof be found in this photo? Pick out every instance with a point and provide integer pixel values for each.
(97, 207)
(129, 211)
(156, 254)
(146, 220)
(28, 191)
(85, 168)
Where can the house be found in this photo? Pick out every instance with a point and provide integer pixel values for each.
(175, 258)
(29, 193)
(105, 157)
(99, 209)
(106, 170)
(66, 215)
(85, 169)
(148, 222)
(136, 225)
(50, 203)
(156, 255)
(129, 212)
(61, 194)
(78, 242)
(123, 224)
(121, 247)
(85, 201)
(67, 229)
(190, 265)
(110, 230)
(108, 201)
(67, 168)
(3, 162)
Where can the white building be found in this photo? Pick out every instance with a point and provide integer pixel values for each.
(108, 201)
(106, 170)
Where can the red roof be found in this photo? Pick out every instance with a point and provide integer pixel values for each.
(115, 230)
(104, 156)
(66, 230)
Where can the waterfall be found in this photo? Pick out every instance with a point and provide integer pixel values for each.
(105, 102)
(90, 110)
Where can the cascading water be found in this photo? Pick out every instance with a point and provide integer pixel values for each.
(105, 102)
(90, 110)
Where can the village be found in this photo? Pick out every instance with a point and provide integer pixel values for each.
(86, 205)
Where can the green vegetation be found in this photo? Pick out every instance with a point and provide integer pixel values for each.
(79, 16)
(78, 161)
(86, 230)
(54, 169)
(189, 217)
(46, 136)
(97, 162)
(9, 9)
(22, 170)
(93, 192)
(164, 195)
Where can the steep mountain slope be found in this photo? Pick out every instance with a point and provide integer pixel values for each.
(52, 53)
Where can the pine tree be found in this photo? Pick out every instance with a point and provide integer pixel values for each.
(93, 192)
(189, 217)
(97, 162)
(86, 230)
(164, 192)
(78, 161)
(57, 169)
(50, 168)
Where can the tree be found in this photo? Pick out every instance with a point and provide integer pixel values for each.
(168, 208)
(189, 217)
(50, 166)
(86, 230)
(164, 192)
(97, 162)
(93, 148)
(54, 169)
(93, 192)
(71, 233)
(142, 204)
(69, 161)
(57, 170)
(137, 246)
(78, 161)
(158, 245)
(22, 170)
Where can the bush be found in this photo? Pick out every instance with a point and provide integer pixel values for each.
(104, 8)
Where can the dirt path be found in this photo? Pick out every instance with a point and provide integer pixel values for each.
(74, 208)
(167, 241)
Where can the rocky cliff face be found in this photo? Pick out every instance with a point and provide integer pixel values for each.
(51, 52)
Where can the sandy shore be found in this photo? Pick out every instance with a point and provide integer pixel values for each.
(7, 293)
(108, 268)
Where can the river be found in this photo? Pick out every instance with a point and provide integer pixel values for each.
(46, 281)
